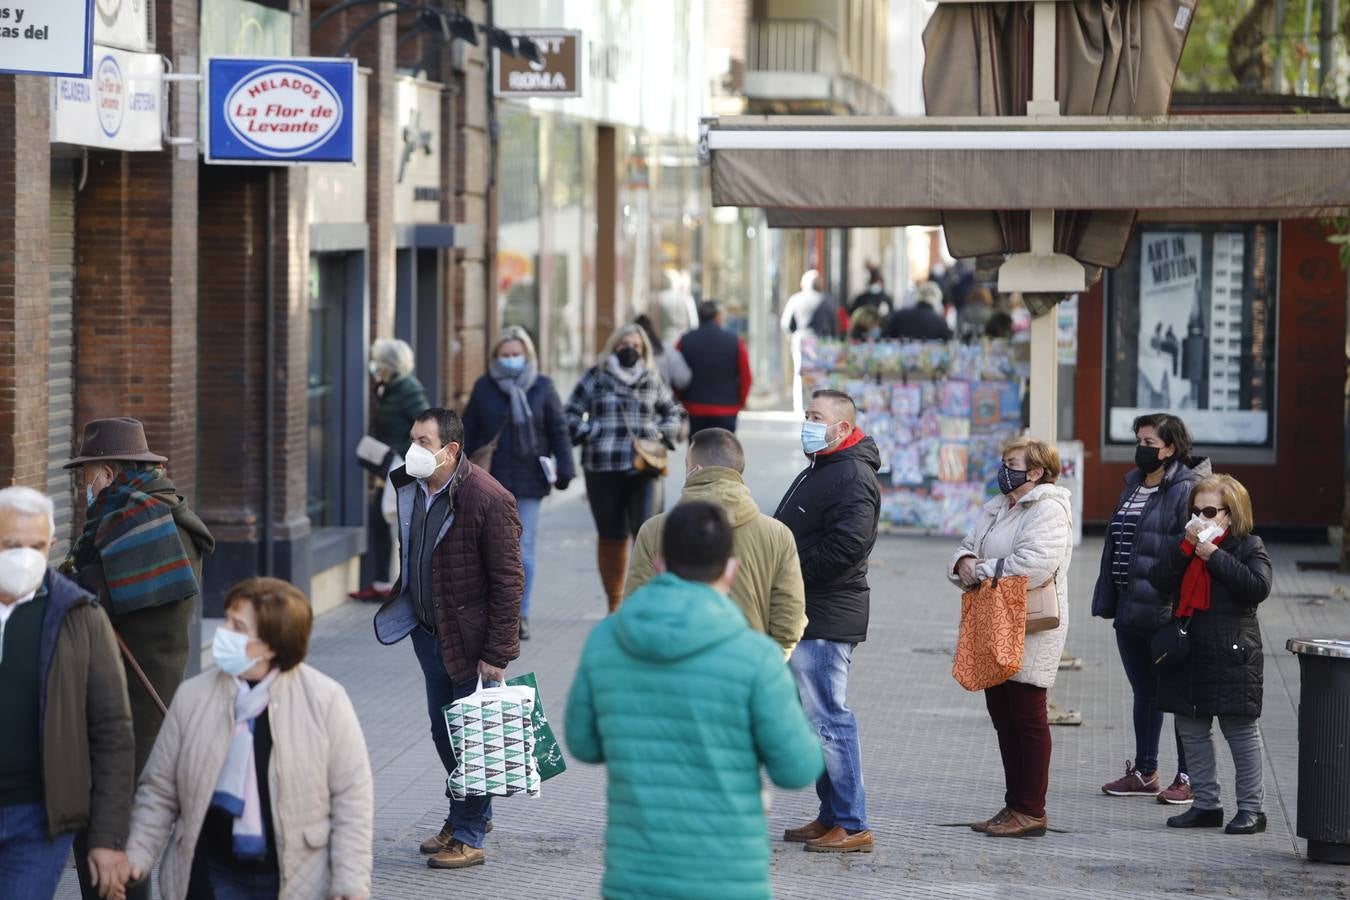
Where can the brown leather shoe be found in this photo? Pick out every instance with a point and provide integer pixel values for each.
(805, 833)
(1017, 825)
(837, 840)
(438, 842)
(1000, 817)
(457, 856)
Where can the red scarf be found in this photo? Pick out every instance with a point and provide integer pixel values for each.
(851, 441)
(1195, 584)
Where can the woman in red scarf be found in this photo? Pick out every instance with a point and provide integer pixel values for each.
(1222, 572)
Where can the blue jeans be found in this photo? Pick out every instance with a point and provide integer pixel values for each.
(1137, 657)
(528, 507)
(821, 671)
(30, 864)
(224, 882)
(468, 818)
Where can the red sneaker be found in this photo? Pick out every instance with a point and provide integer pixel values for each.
(1180, 792)
(1133, 784)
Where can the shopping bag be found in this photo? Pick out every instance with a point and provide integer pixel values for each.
(993, 631)
(493, 740)
(548, 755)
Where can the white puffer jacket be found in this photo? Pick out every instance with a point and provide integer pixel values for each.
(1033, 538)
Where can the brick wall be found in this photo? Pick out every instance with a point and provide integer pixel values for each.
(25, 187)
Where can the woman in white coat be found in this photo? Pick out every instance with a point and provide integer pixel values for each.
(259, 784)
(1030, 529)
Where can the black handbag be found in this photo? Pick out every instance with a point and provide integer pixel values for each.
(1171, 646)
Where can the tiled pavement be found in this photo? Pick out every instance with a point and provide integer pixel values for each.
(930, 756)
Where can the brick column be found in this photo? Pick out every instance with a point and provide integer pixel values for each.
(25, 195)
(136, 280)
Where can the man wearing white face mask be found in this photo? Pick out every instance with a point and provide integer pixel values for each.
(68, 760)
(458, 596)
(833, 508)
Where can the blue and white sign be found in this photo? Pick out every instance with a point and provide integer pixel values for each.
(282, 111)
(47, 37)
(119, 108)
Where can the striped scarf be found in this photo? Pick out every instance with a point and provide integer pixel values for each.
(137, 541)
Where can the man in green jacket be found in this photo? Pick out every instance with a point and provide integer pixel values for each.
(683, 703)
(768, 586)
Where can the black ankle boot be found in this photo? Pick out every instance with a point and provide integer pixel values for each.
(1247, 822)
(524, 629)
(1197, 818)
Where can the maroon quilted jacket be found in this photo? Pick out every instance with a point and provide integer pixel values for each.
(477, 577)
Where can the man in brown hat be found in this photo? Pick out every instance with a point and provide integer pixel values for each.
(141, 554)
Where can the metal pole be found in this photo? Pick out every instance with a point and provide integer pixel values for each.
(1326, 48)
(269, 368)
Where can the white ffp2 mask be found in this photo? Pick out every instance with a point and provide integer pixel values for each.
(21, 571)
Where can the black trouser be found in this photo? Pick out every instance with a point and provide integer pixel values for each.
(158, 638)
(380, 540)
(620, 502)
(699, 423)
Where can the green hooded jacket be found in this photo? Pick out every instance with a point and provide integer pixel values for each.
(683, 704)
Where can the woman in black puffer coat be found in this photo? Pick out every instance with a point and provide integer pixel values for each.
(1221, 578)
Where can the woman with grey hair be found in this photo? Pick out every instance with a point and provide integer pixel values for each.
(618, 402)
(399, 400)
(514, 428)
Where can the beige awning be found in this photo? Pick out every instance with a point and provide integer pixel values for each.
(870, 172)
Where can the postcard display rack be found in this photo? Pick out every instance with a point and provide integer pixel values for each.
(939, 413)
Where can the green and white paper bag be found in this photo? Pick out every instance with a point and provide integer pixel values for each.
(548, 755)
(493, 738)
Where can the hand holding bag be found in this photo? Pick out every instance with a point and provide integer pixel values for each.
(993, 631)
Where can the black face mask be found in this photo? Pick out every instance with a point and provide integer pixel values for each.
(1146, 458)
(627, 356)
(1010, 480)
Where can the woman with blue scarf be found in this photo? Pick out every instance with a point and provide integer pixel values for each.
(232, 735)
(514, 428)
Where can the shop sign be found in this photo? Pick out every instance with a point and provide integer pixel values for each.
(122, 23)
(417, 152)
(558, 74)
(47, 37)
(337, 194)
(118, 108)
(280, 111)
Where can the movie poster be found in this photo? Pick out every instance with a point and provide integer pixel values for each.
(1172, 345)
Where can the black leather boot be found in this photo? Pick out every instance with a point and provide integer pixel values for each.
(1197, 818)
(1247, 822)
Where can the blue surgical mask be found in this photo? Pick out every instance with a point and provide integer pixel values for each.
(230, 651)
(512, 363)
(89, 496)
(814, 437)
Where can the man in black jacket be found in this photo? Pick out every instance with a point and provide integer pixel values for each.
(833, 508)
(721, 369)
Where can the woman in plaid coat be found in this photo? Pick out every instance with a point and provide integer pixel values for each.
(621, 398)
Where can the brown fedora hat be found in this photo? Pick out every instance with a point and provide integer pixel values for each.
(118, 440)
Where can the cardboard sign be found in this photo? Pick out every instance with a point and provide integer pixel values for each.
(280, 111)
(47, 37)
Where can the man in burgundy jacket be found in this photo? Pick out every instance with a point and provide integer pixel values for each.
(458, 596)
(721, 368)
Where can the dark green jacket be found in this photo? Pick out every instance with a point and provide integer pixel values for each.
(683, 703)
(400, 403)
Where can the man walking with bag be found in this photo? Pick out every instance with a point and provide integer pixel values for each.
(683, 704)
(833, 508)
(458, 596)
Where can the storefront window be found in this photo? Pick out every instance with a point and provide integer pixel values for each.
(518, 230)
(1191, 313)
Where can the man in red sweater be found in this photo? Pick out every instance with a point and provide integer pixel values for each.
(721, 367)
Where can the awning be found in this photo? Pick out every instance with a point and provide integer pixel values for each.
(872, 172)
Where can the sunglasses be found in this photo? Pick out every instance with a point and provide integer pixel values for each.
(1208, 512)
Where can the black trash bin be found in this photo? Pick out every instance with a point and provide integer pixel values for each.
(1324, 748)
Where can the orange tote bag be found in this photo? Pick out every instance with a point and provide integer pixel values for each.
(993, 631)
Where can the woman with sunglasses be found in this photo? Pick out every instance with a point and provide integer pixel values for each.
(1222, 571)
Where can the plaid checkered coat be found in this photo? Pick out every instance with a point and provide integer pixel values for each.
(604, 415)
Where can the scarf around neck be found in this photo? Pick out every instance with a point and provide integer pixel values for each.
(136, 539)
(629, 377)
(237, 788)
(1196, 583)
(516, 385)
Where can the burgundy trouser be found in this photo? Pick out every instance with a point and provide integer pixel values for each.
(1018, 712)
